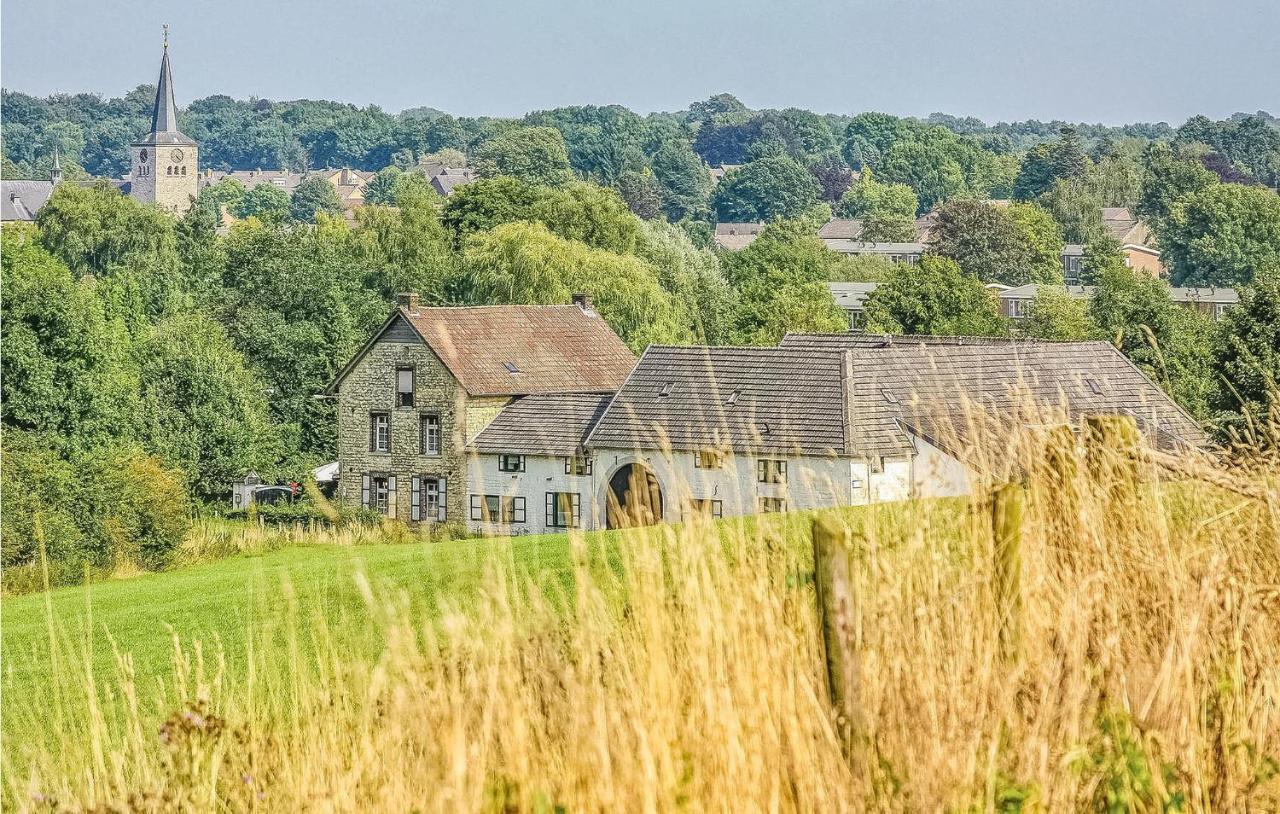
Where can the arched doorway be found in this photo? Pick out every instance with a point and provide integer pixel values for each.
(634, 499)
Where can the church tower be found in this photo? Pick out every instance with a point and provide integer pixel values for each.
(165, 162)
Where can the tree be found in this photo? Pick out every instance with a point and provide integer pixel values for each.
(130, 247)
(1035, 176)
(486, 203)
(990, 245)
(833, 176)
(1218, 236)
(536, 155)
(1166, 179)
(686, 183)
(1057, 316)
(1171, 344)
(313, 195)
(1043, 239)
(869, 137)
(525, 263)
(1245, 398)
(266, 202)
(704, 302)
(203, 411)
(781, 282)
(641, 192)
(765, 190)
(224, 194)
(1069, 160)
(379, 191)
(929, 169)
(933, 297)
(887, 211)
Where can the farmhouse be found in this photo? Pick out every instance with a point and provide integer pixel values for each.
(417, 394)
(522, 419)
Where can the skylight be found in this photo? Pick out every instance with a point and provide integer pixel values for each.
(889, 397)
(1093, 385)
(511, 368)
(666, 390)
(733, 397)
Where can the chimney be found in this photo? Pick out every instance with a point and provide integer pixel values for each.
(583, 301)
(407, 300)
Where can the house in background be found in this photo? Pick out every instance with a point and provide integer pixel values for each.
(1212, 302)
(909, 253)
(852, 299)
(430, 379)
(735, 236)
(444, 180)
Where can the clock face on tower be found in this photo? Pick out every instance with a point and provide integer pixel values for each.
(176, 155)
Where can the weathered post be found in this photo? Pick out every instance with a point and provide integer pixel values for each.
(838, 613)
(1006, 527)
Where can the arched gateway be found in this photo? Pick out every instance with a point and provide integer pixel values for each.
(634, 498)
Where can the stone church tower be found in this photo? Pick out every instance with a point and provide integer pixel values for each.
(165, 162)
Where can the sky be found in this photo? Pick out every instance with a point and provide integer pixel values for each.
(1110, 61)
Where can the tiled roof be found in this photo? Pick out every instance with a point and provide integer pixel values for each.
(512, 350)
(446, 181)
(1030, 290)
(869, 247)
(843, 228)
(554, 424)
(1224, 296)
(742, 398)
(22, 200)
(933, 382)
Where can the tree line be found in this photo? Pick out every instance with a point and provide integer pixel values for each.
(151, 356)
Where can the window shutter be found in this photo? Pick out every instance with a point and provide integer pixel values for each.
(414, 499)
(443, 513)
(391, 496)
(364, 495)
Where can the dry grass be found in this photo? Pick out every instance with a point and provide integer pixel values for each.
(686, 674)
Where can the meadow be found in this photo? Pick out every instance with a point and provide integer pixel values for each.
(678, 668)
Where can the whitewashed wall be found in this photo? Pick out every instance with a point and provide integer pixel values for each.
(938, 474)
(542, 474)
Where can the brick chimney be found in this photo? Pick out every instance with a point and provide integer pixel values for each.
(583, 301)
(407, 300)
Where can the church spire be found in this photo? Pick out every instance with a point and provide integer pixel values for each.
(55, 175)
(165, 117)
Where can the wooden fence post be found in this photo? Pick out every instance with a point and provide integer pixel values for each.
(1006, 527)
(1113, 448)
(838, 612)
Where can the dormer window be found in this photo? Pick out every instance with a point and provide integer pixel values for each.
(404, 387)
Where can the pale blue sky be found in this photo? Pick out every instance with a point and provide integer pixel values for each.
(1094, 60)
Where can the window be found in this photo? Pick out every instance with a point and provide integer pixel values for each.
(497, 509)
(708, 459)
(510, 463)
(665, 392)
(1094, 387)
(404, 387)
(379, 432)
(577, 465)
(706, 507)
(428, 498)
(876, 464)
(379, 494)
(769, 505)
(429, 425)
(1018, 308)
(733, 398)
(769, 470)
(511, 367)
(1071, 269)
(562, 510)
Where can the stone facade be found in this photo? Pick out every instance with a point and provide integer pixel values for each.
(370, 387)
(167, 176)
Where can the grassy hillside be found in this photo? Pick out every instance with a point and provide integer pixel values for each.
(676, 668)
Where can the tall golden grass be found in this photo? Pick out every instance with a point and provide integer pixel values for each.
(682, 670)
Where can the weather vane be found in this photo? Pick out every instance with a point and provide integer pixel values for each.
(166, 36)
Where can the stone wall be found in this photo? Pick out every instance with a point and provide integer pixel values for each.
(168, 177)
(371, 387)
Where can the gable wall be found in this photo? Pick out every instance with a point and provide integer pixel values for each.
(370, 386)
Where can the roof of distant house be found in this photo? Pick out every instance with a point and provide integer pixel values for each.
(22, 200)
(513, 350)
(841, 228)
(872, 247)
(450, 178)
(552, 424)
